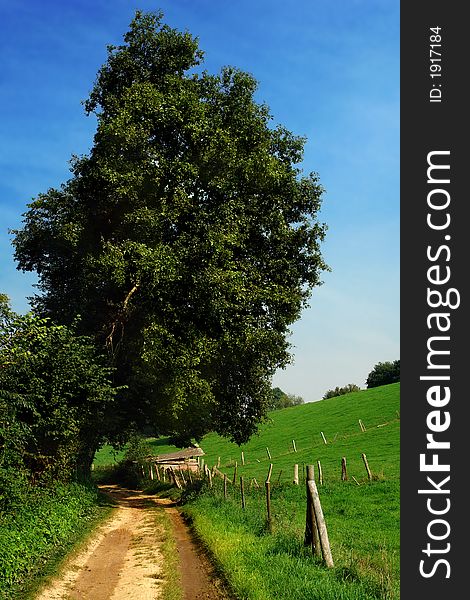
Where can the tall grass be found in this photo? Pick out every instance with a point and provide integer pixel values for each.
(260, 565)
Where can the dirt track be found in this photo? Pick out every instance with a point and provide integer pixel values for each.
(122, 560)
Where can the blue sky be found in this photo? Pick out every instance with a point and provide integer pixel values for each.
(328, 70)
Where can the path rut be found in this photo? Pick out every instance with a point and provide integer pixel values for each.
(123, 561)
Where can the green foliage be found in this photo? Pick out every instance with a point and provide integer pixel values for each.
(187, 239)
(280, 399)
(40, 529)
(54, 391)
(339, 391)
(384, 373)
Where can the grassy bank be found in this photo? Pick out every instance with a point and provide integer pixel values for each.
(363, 530)
(36, 537)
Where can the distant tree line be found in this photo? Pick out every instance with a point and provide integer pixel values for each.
(280, 399)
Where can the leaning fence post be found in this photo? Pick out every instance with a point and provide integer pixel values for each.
(311, 530)
(344, 473)
(323, 436)
(320, 521)
(366, 464)
(268, 453)
(242, 492)
(294, 446)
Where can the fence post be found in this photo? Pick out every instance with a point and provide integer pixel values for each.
(243, 459)
(235, 473)
(268, 453)
(320, 521)
(268, 497)
(242, 491)
(311, 530)
(361, 425)
(294, 446)
(296, 474)
(366, 464)
(344, 473)
(320, 473)
(323, 436)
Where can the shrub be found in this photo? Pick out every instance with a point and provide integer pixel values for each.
(339, 391)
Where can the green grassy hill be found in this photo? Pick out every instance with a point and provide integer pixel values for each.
(338, 419)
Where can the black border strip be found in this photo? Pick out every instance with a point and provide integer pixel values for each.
(434, 254)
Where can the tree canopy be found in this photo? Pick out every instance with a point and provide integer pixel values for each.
(187, 240)
(384, 373)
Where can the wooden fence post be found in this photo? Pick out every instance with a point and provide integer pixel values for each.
(235, 473)
(344, 473)
(268, 453)
(320, 474)
(218, 463)
(361, 425)
(323, 436)
(243, 459)
(320, 521)
(366, 464)
(296, 474)
(311, 531)
(294, 446)
(242, 492)
(268, 498)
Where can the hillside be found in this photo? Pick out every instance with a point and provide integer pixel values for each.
(338, 419)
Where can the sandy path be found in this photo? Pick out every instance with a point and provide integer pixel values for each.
(122, 560)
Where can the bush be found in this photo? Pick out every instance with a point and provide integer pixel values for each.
(339, 391)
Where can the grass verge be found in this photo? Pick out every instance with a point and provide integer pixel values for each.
(263, 566)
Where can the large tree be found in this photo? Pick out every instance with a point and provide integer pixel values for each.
(187, 239)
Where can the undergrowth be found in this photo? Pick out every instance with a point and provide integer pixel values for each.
(36, 536)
